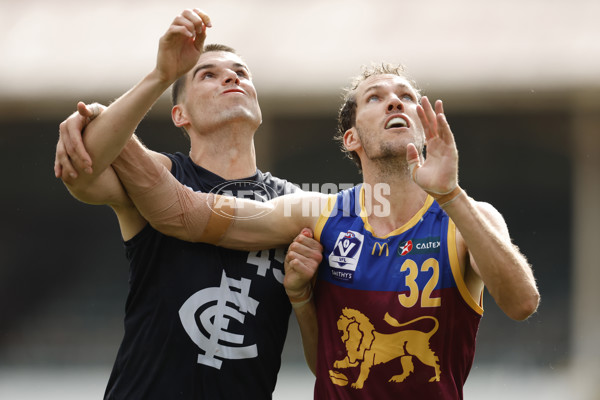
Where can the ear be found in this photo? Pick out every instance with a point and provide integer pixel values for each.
(179, 116)
(352, 140)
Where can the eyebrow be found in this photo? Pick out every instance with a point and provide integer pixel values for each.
(378, 86)
(209, 66)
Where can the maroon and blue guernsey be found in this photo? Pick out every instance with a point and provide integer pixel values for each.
(396, 320)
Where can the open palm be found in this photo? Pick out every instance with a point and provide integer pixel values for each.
(438, 173)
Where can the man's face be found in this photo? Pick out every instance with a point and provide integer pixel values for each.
(219, 90)
(386, 117)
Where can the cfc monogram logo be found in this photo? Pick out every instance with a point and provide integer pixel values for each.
(209, 331)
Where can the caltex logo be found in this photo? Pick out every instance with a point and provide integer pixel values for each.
(428, 245)
(405, 248)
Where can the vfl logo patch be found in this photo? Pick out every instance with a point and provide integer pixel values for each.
(419, 246)
(344, 257)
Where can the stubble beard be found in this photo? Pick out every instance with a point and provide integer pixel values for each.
(388, 158)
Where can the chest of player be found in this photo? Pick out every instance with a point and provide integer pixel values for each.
(410, 262)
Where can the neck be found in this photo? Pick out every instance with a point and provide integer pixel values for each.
(392, 189)
(229, 154)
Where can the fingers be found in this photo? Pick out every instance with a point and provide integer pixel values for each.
(205, 18)
(193, 24)
(424, 122)
(427, 116)
(305, 240)
(71, 138)
(88, 111)
(439, 107)
(308, 249)
(299, 272)
(58, 170)
(413, 160)
(201, 30)
(304, 266)
(301, 263)
(434, 122)
(433, 119)
(63, 168)
(306, 232)
(434, 116)
(429, 111)
(195, 20)
(444, 128)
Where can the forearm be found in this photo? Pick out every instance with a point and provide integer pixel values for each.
(306, 315)
(106, 189)
(108, 133)
(503, 269)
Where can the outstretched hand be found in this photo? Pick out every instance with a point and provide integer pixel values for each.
(438, 173)
(181, 46)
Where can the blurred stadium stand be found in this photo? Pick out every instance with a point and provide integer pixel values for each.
(521, 86)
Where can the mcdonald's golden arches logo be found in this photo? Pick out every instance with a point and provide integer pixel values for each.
(380, 246)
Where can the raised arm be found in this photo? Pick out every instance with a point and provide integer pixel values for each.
(177, 211)
(105, 188)
(179, 49)
(492, 256)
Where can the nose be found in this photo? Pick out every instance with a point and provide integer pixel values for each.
(231, 77)
(395, 104)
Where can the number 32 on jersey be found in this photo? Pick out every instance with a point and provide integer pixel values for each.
(412, 269)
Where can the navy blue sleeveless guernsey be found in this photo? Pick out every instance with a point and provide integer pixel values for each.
(202, 322)
(396, 320)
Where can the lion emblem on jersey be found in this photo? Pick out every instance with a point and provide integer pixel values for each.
(365, 347)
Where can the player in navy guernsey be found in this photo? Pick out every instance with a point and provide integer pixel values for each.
(201, 322)
(406, 254)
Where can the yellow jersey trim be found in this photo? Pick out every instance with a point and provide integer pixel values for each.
(412, 222)
(325, 214)
(458, 276)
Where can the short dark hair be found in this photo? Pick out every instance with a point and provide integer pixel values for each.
(347, 113)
